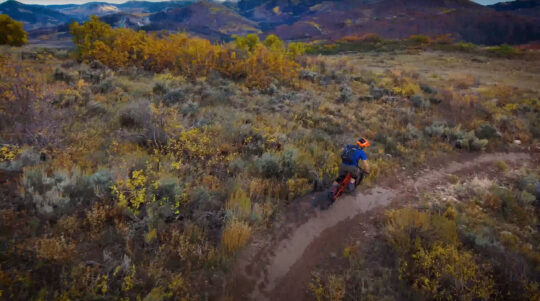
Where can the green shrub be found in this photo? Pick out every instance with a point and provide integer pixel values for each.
(135, 115)
(238, 165)
(466, 47)
(219, 92)
(102, 181)
(190, 108)
(268, 165)
(413, 132)
(461, 139)
(288, 162)
(52, 195)
(419, 102)
(160, 88)
(202, 200)
(428, 89)
(437, 129)
(527, 183)
(103, 87)
(346, 94)
(67, 98)
(419, 39)
(504, 50)
(468, 141)
(174, 96)
(94, 73)
(28, 157)
(95, 109)
(487, 131)
(79, 188)
(63, 75)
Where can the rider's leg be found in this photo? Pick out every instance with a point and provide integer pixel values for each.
(342, 173)
(354, 176)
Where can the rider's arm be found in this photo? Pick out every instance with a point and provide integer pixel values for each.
(366, 165)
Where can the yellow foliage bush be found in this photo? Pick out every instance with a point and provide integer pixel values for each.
(86, 281)
(196, 143)
(131, 192)
(297, 187)
(430, 258)
(446, 273)
(12, 32)
(235, 236)
(407, 227)
(9, 153)
(330, 289)
(258, 63)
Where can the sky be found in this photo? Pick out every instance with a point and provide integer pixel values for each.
(46, 2)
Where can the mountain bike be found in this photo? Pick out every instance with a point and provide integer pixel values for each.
(334, 193)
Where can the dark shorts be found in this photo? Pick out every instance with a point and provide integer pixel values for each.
(355, 171)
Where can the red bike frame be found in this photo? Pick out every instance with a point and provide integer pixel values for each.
(343, 186)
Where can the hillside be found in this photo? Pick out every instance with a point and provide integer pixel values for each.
(203, 18)
(530, 8)
(104, 8)
(464, 20)
(33, 16)
(514, 23)
(163, 166)
(85, 10)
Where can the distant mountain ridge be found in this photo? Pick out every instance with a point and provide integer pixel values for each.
(510, 22)
(530, 8)
(33, 16)
(463, 19)
(104, 8)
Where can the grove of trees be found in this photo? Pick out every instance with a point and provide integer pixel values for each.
(259, 64)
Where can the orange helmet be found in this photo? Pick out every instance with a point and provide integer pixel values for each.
(363, 142)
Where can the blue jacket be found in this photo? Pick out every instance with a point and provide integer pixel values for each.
(358, 155)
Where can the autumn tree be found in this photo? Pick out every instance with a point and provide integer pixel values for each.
(247, 43)
(273, 43)
(258, 64)
(12, 32)
(90, 33)
(295, 49)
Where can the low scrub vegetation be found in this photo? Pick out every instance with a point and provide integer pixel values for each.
(139, 169)
(471, 240)
(372, 42)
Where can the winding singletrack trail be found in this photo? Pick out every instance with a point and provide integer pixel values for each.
(278, 268)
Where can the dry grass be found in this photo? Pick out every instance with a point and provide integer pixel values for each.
(239, 204)
(235, 236)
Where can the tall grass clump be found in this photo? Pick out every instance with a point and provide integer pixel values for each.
(235, 236)
(239, 204)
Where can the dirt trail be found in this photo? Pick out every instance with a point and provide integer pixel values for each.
(263, 270)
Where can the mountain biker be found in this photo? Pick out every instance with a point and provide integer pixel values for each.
(350, 157)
